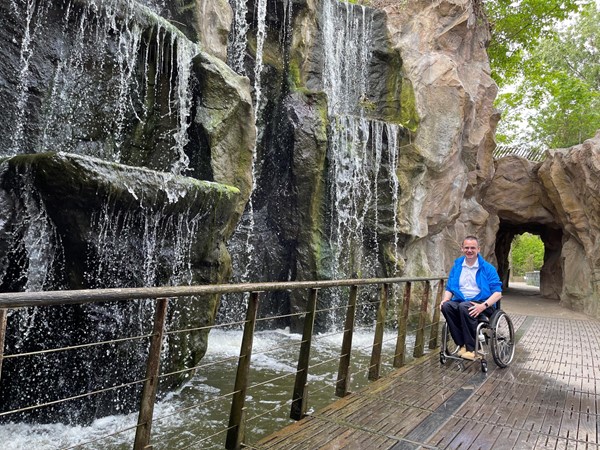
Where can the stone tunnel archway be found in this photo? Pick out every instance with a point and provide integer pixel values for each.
(551, 274)
(558, 201)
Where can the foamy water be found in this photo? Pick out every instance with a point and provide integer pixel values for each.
(183, 418)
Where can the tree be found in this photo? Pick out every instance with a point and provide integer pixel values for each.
(553, 67)
(517, 25)
(527, 254)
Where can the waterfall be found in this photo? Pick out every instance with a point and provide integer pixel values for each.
(363, 151)
(393, 148)
(347, 41)
(186, 50)
(31, 29)
(152, 240)
(239, 39)
(120, 227)
(347, 32)
(247, 224)
(100, 88)
(243, 244)
(351, 194)
(109, 84)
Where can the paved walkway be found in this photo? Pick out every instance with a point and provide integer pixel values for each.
(526, 300)
(549, 397)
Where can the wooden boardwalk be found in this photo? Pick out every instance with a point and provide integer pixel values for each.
(549, 398)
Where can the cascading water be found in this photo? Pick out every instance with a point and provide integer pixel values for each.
(357, 147)
(108, 80)
(125, 227)
(243, 243)
(239, 38)
(150, 240)
(362, 153)
(346, 38)
(110, 115)
(87, 112)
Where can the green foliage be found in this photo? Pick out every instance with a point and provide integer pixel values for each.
(527, 254)
(517, 25)
(552, 67)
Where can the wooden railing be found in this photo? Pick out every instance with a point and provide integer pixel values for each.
(427, 319)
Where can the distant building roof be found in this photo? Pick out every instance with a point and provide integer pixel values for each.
(532, 154)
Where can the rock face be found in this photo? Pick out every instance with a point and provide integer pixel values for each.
(83, 222)
(106, 106)
(555, 199)
(448, 161)
(460, 189)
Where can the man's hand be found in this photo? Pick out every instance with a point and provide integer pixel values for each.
(476, 308)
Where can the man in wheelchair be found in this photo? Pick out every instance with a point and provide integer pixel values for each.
(473, 288)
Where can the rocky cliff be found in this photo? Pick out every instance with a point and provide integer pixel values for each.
(126, 161)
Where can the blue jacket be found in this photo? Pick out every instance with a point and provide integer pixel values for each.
(487, 280)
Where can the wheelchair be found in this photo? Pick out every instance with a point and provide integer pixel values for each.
(495, 335)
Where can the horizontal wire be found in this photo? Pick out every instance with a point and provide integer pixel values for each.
(327, 386)
(206, 327)
(87, 394)
(101, 438)
(74, 347)
(275, 408)
(277, 349)
(270, 380)
(201, 366)
(283, 316)
(198, 405)
(193, 444)
(320, 363)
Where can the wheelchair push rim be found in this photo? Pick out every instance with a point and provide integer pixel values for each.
(502, 342)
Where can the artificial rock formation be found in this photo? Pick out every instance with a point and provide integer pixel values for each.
(126, 162)
(457, 188)
(571, 178)
(442, 45)
(84, 222)
(555, 199)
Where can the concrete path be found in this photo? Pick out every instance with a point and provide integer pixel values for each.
(526, 300)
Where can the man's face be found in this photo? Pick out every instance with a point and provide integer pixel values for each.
(470, 249)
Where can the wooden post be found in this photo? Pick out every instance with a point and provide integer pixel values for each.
(399, 354)
(142, 433)
(343, 379)
(299, 396)
(375, 364)
(435, 325)
(420, 338)
(3, 314)
(235, 432)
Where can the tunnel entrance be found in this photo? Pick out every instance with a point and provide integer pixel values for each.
(551, 273)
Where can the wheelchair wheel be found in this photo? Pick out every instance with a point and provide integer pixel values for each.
(502, 342)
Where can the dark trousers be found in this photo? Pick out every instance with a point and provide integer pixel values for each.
(461, 325)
